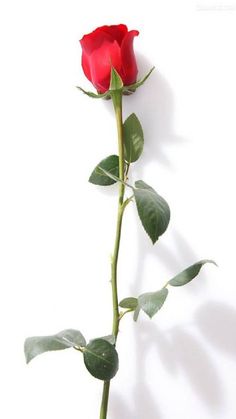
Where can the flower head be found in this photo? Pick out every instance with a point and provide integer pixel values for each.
(107, 47)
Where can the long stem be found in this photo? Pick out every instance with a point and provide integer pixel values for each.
(105, 397)
(117, 102)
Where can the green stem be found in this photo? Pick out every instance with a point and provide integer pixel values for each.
(117, 102)
(105, 396)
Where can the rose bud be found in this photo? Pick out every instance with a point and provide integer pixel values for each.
(106, 47)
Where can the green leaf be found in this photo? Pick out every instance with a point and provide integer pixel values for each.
(136, 313)
(94, 95)
(153, 210)
(151, 302)
(101, 359)
(110, 165)
(129, 302)
(132, 87)
(109, 338)
(188, 274)
(112, 176)
(133, 138)
(116, 82)
(63, 340)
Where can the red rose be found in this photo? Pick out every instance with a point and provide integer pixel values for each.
(105, 47)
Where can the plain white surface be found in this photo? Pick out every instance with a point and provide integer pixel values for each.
(57, 230)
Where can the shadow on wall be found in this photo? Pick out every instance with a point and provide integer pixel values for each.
(213, 322)
(216, 323)
(153, 103)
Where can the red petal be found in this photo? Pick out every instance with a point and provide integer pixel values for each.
(86, 66)
(94, 40)
(117, 32)
(129, 65)
(101, 61)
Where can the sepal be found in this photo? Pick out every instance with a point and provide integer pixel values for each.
(132, 87)
(116, 84)
(105, 95)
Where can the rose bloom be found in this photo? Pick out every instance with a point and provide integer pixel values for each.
(105, 47)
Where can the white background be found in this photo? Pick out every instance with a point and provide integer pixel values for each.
(57, 230)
